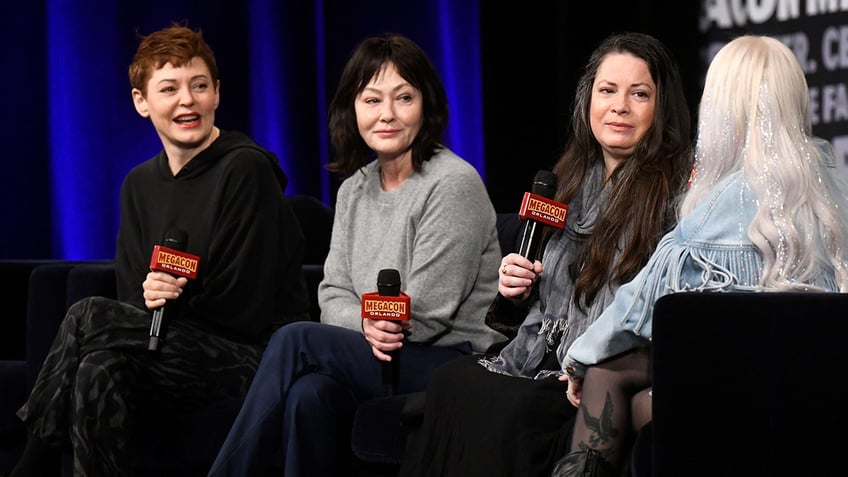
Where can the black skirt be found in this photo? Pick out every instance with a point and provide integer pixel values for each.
(480, 423)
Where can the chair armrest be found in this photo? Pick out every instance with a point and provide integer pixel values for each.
(91, 279)
(45, 310)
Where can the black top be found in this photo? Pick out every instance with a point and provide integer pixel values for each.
(230, 200)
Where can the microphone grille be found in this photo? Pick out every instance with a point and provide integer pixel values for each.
(176, 239)
(544, 184)
(388, 282)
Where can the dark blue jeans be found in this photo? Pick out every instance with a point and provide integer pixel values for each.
(302, 399)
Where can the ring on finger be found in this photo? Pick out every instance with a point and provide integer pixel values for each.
(503, 269)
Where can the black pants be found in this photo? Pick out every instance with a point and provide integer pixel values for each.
(98, 370)
(482, 424)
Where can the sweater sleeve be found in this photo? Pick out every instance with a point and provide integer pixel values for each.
(340, 304)
(452, 277)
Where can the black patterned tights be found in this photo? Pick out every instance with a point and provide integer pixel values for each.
(615, 401)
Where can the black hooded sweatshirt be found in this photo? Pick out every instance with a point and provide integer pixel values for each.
(230, 200)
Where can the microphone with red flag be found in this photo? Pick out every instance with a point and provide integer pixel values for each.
(388, 303)
(538, 209)
(172, 259)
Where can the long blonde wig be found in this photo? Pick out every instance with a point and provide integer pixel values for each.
(754, 117)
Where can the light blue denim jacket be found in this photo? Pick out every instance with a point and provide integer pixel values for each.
(708, 250)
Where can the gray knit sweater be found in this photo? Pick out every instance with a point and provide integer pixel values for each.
(438, 230)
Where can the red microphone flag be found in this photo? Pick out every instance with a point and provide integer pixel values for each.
(385, 307)
(175, 262)
(543, 210)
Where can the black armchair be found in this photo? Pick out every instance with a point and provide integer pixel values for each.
(747, 384)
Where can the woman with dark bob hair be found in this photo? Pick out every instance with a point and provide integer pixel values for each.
(397, 210)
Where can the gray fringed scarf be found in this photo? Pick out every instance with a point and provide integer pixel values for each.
(555, 317)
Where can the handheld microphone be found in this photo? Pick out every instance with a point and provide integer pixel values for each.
(388, 303)
(538, 209)
(170, 258)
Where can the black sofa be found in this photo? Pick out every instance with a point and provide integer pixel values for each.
(169, 442)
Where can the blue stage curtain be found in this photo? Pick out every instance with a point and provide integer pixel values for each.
(71, 132)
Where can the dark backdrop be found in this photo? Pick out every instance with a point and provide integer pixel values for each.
(532, 57)
(71, 134)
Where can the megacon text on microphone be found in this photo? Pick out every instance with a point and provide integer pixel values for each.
(542, 209)
(175, 262)
(385, 307)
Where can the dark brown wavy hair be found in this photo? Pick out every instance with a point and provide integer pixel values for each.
(641, 206)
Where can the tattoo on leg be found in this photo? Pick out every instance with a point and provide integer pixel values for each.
(600, 427)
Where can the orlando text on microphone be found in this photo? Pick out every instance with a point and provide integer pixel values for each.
(170, 258)
(538, 209)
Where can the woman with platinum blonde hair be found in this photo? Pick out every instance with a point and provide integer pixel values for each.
(766, 211)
